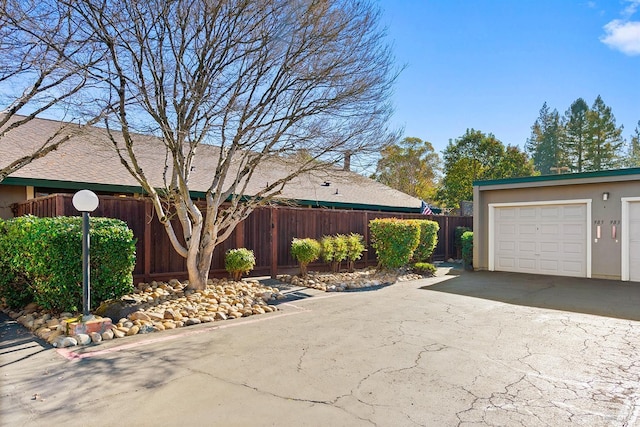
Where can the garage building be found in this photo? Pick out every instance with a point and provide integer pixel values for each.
(578, 225)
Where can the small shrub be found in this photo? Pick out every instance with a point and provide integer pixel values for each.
(424, 268)
(238, 262)
(305, 251)
(334, 250)
(467, 249)
(428, 240)
(394, 241)
(355, 249)
(457, 242)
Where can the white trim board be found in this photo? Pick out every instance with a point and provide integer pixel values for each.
(491, 225)
(624, 225)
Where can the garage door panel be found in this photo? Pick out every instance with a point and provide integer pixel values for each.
(549, 266)
(548, 239)
(575, 211)
(573, 248)
(527, 247)
(573, 231)
(550, 212)
(526, 264)
(527, 229)
(571, 268)
(549, 247)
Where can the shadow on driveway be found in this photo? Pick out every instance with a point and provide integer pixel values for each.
(608, 298)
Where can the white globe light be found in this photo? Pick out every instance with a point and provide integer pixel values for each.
(85, 201)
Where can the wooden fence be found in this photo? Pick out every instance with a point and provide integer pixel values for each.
(268, 231)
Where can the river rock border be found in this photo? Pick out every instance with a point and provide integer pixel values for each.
(156, 306)
(339, 282)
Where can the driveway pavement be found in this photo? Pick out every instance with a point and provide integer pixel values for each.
(478, 348)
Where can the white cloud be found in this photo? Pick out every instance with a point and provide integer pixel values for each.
(623, 35)
(631, 9)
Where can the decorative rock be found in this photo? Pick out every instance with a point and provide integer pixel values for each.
(139, 315)
(53, 323)
(206, 319)
(169, 325)
(95, 337)
(107, 335)
(117, 333)
(145, 329)
(133, 330)
(64, 341)
(54, 336)
(220, 316)
(192, 321)
(82, 339)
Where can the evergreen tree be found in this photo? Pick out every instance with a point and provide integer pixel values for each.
(576, 125)
(605, 138)
(633, 155)
(546, 143)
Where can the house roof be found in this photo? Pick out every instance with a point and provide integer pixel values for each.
(627, 174)
(89, 160)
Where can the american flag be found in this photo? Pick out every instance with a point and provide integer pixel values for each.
(425, 209)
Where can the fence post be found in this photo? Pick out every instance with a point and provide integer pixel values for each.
(273, 213)
(446, 239)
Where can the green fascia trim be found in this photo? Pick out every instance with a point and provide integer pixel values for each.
(72, 185)
(111, 188)
(559, 177)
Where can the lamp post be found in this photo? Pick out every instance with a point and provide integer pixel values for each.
(85, 201)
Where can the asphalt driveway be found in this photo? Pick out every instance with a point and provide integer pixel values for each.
(462, 349)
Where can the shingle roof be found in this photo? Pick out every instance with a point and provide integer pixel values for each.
(90, 158)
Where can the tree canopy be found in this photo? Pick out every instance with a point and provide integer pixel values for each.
(476, 156)
(411, 166)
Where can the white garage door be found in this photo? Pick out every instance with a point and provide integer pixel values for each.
(634, 241)
(545, 239)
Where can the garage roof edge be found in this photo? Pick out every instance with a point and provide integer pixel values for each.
(560, 179)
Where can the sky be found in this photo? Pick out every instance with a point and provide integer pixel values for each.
(491, 64)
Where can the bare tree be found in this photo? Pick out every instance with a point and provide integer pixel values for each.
(261, 80)
(44, 66)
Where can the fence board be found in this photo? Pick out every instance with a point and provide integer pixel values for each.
(268, 231)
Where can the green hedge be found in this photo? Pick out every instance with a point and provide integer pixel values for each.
(41, 261)
(467, 248)
(457, 242)
(394, 241)
(428, 239)
(334, 250)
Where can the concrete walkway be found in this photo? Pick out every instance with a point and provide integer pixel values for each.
(470, 349)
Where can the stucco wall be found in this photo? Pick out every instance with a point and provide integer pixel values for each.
(605, 253)
(10, 194)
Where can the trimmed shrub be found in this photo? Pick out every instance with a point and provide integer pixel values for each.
(355, 249)
(424, 268)
(457, 242)
(428, 240)
(394, 241)
(334, 250)
(43, 259)
(305, 251)
(238, 262)
(467, 249)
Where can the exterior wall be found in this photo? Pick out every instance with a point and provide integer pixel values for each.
(10, 194)
(605, 253)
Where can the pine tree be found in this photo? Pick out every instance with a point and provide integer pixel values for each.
(605, 138)
(546, 143)
(633, 155)
(576, 127)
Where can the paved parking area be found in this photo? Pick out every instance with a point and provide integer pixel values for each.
(478, 348)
